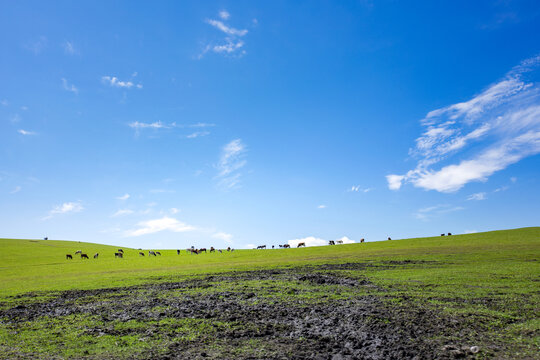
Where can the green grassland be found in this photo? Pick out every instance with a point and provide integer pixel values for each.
(490, 277)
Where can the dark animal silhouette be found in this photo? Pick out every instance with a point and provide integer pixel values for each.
(141, 253)
(202, 250)
(78, 252)
(193, 251)
(285, 246)
(442, 234)
(272, 246)
(449, 234)
(68, 256)
(389, 238)
(340, 241)
(302, 244)
(84, 256)
(220, 251)
(362, 240)
(96, 255)
(229, 248)
(261, 247)
(212, 249)
(118, 255)
(331, 242)
(45, 238)
(120, 250)
(158, 253)
(177, 252)
(150, 252)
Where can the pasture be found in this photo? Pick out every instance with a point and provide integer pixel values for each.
(474, 295)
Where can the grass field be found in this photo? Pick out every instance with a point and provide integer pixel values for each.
(487, 282)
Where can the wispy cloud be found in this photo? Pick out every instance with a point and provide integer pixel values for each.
(16, 190)
(115, 82)
(477, 196)
(503, 123)
(122, 212)
(232, 159)
(37, 46)
(358, 188)
(69, 48)
(156, 225)
(232, 44)
(223, 236)
(321, 207)
(174, 211)
(69, 207)
(69, 87)
(24, 132)
(430, 212)
(197, 134)
(141, 125)
(123, 197)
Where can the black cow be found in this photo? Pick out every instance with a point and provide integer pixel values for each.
(150, 252)
(158, 253)
(362, 240)
(177, 252)
(141, 253)
(68, 256)
(120, 250)
(261, 247)
(302, 244)
(449, 234)
(96, 255)
(78, 252)
(389, 238)
(331, 242)
(84, 256)
(119, 255)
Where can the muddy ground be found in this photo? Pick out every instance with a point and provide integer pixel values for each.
(317, 312)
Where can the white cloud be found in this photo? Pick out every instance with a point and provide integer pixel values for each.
(230, 163)
(346, 240)
(69, 87)
(155, 125)
(223, 236)
(69, 48)
(430, 212)
(24, 132)
(502, 188)
(321, 207)
(123, 197)
(470, 231)
(69, 207)
(16, 190)
(232, 43)
(502, 122)
(174, 210)
(513, 179)
(197, 134)
(122, 212)
(157, 225)
(115, 82)
(309, 241)
(477, 196)
(358, 188)
(224, 14)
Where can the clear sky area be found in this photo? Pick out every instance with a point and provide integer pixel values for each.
(240, 123)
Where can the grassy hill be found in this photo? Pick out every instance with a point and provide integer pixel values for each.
(477, 288)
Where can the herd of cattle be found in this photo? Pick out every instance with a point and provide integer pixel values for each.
(193, 251)
(120, 253)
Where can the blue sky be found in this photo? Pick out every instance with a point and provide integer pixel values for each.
(244, 123)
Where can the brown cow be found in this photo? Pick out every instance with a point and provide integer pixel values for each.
(362, 240)
(301, 244)
(285, 246)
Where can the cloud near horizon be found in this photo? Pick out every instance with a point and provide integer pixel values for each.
(502, 122)
(156, 225)
(314, 241)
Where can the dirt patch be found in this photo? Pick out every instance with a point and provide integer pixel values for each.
(268, 314)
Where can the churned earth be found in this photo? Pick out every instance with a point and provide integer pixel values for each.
(329, 311)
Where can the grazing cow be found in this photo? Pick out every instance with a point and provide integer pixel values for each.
(340, 241)
(389, 238)
(301, 244)
(121, 251)
(362, 240)
(331, 242)
(442, 234)
(220, 251)
(272, 246)
(285, 246)
(232, 250)
(229, 248)
(261, 247)
(118, 255)
(68, 256)
(280, 245)
(212, 249)
(96, 255)
(202, 250)
(449, 234)
(84, 256)
(150, 252)
(78, 252)
(177, 252)
(158, 253)
(45, 238)
(141, 253)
